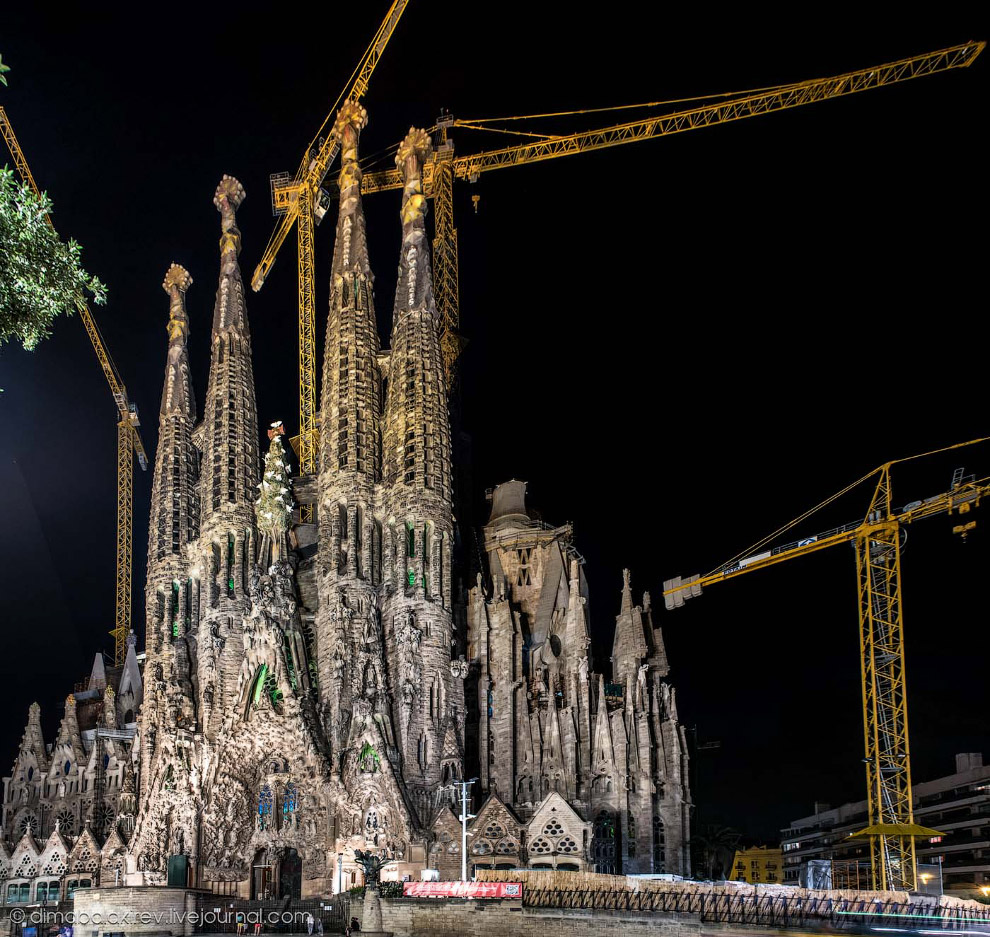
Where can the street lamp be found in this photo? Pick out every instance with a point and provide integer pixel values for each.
(464, 817)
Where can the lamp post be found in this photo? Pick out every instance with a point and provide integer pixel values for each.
(464, 817)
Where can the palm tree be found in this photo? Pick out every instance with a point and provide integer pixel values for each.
(714, 848)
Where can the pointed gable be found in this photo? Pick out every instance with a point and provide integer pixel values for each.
(495, 830)
(130, 677)
(32, 757)
(85, 854)
(98, 675)
(68, 743)
(445, 848)
(24, 862)
(54, 856)
(556, 829)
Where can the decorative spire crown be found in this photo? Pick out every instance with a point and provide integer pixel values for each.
(177, 281)
(227, 199)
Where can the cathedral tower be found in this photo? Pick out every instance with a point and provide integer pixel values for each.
(350, 658)
(230, 467)
(419, 526)
(174, 524)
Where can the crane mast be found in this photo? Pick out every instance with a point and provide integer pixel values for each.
(128, 435)
(877, 540)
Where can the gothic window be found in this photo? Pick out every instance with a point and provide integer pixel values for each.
(66, 822)
(174, 609)
(567, 845)
(342, 525)
(494, 831)
(245, 562)
(541, 846)
(266, 808)
(29, 822)
(410, 540)
(55, 865)
(482, 847)
(230, 565)
(523, 578)
(659, 845)
(507, 847)
(359, 540)
(290, 805)
(603, 844)
(427, 548)
(631, 830)
(376, 552)
(214, 573)
(26, 867)
(553, 828)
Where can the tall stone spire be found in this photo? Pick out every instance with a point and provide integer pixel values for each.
(350, 398)
(629, 647)
(230, 475)
(174, 501)
(417, 424)
(230, 452)
(416, 475)
(175, 493)
(350, 403)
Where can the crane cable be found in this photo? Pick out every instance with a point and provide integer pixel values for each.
(756, 546)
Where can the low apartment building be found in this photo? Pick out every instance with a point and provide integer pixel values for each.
(957, 805)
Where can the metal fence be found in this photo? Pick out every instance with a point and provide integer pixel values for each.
(761, 910)
(221, 914)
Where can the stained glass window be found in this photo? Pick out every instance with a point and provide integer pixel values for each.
(290, 804)
(266, 806)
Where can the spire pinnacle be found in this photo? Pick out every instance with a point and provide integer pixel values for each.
(415, 287)
(177, 394)
(177, 282)
(227, 199)
(351, 247)
(627, 602)
(413, 152)
(352, 118)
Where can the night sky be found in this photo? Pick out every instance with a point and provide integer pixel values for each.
(679, 344)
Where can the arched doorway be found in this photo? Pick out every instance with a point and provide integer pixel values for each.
(604, 845)
(262, 876)
(290, 875)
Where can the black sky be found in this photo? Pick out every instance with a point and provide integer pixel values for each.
(680, 344)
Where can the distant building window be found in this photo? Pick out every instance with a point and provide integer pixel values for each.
(935, 839)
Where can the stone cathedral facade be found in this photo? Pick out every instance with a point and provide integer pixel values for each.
(315, 684)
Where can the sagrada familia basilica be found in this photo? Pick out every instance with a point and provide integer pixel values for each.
(316, 683)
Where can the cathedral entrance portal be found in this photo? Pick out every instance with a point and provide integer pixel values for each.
(262, 877)
(290, 875)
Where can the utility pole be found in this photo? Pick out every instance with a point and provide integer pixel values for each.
(463, 787)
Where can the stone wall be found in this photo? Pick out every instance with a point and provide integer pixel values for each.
(134, 910)
(438, 917)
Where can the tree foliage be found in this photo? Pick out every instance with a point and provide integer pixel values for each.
(41, 277)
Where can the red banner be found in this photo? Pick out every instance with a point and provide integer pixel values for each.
(462, 889)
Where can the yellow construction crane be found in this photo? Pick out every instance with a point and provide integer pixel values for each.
(128, 434)
(877, 538)
(444, 167)
(299, 200)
